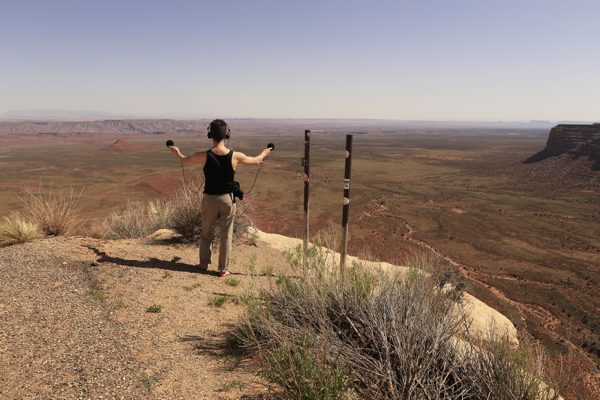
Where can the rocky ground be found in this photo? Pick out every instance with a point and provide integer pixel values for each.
(75, 321)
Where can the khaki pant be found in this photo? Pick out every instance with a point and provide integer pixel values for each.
(222, 207)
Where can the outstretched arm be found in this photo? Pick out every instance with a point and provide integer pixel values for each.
(245, 160)
(197, 158)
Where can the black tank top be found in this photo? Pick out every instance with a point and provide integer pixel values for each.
(218, 173)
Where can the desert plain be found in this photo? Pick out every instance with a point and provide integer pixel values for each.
(524, 238)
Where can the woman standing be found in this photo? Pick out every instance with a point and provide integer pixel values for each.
(219, 165)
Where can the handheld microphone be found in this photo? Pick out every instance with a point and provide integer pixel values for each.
(271, 146)
(170, 143)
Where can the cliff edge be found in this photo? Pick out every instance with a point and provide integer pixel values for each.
(573, 141)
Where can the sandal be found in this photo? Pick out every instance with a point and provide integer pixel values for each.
(224, 273)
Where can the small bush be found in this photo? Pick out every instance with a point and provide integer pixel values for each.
(379, 335)
(217, 301)
(54, 212)
(248, 299)
(268, 271)
(14, 229)
(232, 282)
(185, 215)
(150, 381)
(159, 213)
(182, 212)
(97, 294)
(302, 377)
(136, 220)
(154, 308)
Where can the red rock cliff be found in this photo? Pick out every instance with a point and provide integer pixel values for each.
(583, 139)
(574, 141)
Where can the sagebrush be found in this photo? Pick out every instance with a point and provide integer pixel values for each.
(379, 335)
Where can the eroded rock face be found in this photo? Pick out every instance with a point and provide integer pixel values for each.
(575, 140)
(581, 137)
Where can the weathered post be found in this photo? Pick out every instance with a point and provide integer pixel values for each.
(306, 164)
(346, 207)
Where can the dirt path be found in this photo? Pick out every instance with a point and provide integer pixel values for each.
(72, 330)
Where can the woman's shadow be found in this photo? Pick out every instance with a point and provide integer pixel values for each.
(172, 265)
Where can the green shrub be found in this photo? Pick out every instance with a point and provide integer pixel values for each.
(268, 270)
(360, 280)
(382, 335)
(97, 294)
(232, 282)
(217, 300)
(154, 308)
(302, 377)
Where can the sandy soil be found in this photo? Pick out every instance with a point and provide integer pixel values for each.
(72, 330)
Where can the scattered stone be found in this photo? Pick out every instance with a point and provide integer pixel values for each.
(163, 235)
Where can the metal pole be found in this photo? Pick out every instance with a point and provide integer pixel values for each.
(306, 164)
(346, 207)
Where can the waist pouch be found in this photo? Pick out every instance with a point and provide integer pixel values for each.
(237, 191)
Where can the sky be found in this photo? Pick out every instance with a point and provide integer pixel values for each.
(410, 60)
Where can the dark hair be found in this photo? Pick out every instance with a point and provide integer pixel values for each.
(218, 130)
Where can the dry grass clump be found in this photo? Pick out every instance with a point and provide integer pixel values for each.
(181, 212)
(14, 229)
(185, 215)
(442, 273)
(137, 219)
(243, 227)
(56, 213)
(377, 335)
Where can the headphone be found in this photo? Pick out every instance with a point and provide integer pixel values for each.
(227, 133)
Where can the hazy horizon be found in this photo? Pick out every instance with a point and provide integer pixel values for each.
(91, 115)
(397, 60)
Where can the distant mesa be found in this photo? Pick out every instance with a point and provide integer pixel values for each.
(122, 145)
(573, 142)
(120, 127)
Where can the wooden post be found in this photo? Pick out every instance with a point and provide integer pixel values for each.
(346, 207)
(306, 164)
